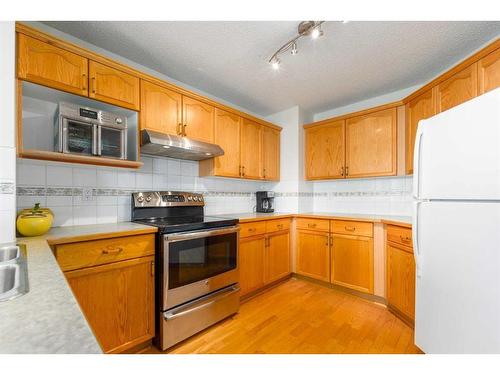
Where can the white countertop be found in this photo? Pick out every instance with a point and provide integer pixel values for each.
(48, 318)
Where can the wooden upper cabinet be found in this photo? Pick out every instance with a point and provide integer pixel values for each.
(161, 109)
(113, 86)
(227, 136)
(420, 108)
(270, 153)
(371, 144)
(51, 66)
(489, 72)
(251, 149)
(198, 119)
(459, 88)
(325, 151)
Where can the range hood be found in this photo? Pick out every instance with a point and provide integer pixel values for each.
(173, 146)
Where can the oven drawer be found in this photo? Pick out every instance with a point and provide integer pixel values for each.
(184, 321)
(78, 255)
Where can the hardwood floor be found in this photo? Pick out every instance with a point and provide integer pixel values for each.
(302, 317)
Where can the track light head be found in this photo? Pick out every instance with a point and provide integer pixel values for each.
(294, 48)
(275, 64)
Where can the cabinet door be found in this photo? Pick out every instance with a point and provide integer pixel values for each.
(401, 279)
(457, 89)
(270, 153)
(251, 149)
(51, 66)
(227, 136)
(118, 301)
(313, 255)
(489, 72)
(251, 263)
(371, 144)
(325, 151)
(418, 109)
(113, 86)
(198, 119)
(161, 109)
(352, 262)
(277, 256)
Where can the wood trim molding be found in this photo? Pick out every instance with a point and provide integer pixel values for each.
(355, 114)
(47, 38)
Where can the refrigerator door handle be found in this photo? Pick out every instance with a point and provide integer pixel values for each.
(416, 248)
(416, 162)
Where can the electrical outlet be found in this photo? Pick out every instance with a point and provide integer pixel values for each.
(87, 194)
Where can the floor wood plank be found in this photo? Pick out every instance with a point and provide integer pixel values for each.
(302, 317)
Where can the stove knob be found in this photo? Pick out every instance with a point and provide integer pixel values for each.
(148, 198)
(201, 199)
(140, 199)
(195, 198)
(190, 198)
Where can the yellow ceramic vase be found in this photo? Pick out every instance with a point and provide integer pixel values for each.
(35, 221)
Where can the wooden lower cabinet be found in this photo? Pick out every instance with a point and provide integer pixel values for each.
(313, 254)
(118, 301)
(251, 263)
(277, 256)
(263, 257)
(401, 279)
(352, 262)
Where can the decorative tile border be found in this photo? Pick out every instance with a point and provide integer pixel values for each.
(7, 187)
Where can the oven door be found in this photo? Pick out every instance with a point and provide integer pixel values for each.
(197, 263)
(78, 137)
(112, 142)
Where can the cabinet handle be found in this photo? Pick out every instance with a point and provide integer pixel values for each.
(405, 239)
(152, 268)
(327, 241)
(331, 240)
(243, 171)
(311, 225)
(84, 82)
(239, 170)
(350, 229)
(178, 130)
(112, 250)
(264, 172)
(346, 171)
(280, 226)
(251, 229)
(342, 171)
(184, 130)
(94, 85)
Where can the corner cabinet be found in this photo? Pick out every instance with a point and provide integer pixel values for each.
(113, 282)
(48, 65)
(417, 109)
(459, 88)
(325, 151)
(489, 72)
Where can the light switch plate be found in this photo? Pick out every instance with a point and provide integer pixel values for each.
(87, 195)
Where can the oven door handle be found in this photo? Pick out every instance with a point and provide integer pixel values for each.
(194, 235)
(185, 310)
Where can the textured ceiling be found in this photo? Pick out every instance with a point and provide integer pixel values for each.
(352, 62)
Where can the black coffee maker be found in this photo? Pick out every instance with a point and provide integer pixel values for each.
(265, 201)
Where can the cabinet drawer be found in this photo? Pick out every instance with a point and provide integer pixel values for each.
(313, 224)
(399, 235)
(77, 255)
(277, 225)
(252, 229)
(357, 228)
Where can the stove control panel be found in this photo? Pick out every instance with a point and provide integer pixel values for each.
(167, 199)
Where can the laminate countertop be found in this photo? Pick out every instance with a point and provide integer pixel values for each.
(48, 318)
(375, 218)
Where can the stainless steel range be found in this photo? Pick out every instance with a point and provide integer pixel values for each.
(197, 263)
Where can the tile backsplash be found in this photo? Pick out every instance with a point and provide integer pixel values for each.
(81, 194)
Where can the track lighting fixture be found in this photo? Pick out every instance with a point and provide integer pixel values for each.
(305, 28)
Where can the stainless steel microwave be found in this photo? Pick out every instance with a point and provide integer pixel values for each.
(91, 132)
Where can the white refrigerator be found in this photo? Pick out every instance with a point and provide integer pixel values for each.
(456, 228)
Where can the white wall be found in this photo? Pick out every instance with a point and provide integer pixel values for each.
(7, 133)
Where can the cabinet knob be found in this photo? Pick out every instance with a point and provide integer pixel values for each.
(350, 229)
(311, 225)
